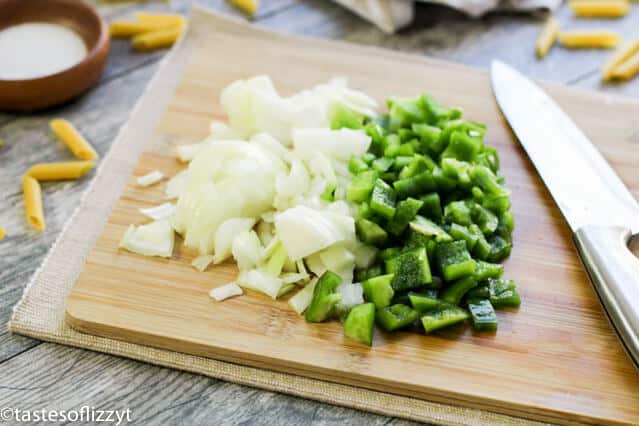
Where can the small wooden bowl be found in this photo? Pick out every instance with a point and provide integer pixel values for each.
(54, 89)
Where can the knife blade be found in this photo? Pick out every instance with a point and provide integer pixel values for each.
(600, 210)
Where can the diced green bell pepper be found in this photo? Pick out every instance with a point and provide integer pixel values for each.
(368, 273)
(462, 146)
(370, 232)
(454, 260)
(457, 170)
(458, 212)
(487, 270)
(428, 228)
(383, 199)
(424, 303)
(401, 162)
(382, 164)
(432, 208)
(443, 182)
(403, 112)
(361, 186)
(415, 185)
(394, 317)
(378, 290)
(483, 177)
(482, 248)
(459, 232)
(341, 116)
(360, 323)
(357, 165)
(454, 293)
(411, 270)
(324, 298)
(428, 137)
(485, 219)
(405, 212)
(443, 317)
(483, 315)
(499, 249)
(503, 293)
(418, 164)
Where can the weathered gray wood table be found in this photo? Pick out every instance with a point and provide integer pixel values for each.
(35, 375)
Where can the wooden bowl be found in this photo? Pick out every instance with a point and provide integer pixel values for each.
(54, 89)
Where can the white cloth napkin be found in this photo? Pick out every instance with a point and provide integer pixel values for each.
(391, 15)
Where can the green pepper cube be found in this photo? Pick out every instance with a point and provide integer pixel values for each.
(432, 207)
(483, 315)
(485, 219)
(378, 290)
(417, 164)
(361, 186)
(428, 137)
(503, 293)
(458, 212)
(505, 226)
(484, 178)
(423, 303)
(462, 147)
(459, 232)
(437, 113)
(394, 317)
(454, 260)
(376, 133)
(383, 199)
(403, 112)
(428, 228)
(339, 115)
(382, 164)
(443, 182)
(357, 165)
(454, 292)
(401, 162)
(499, 248)
(487, 270)
(360, 323)
(445, 317)
(411, 270)
(406, 211)
(482, 247)
(415, 185)
(367, 274)
(370, 232)
(324, 298)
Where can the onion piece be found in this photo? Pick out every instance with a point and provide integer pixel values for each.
(175, 186)
(163, 211)
(225, 234)
(202, 262)
(260, 280)
(340, 144)
(247, 250)
(226, 291)
(294, 277)
(303, 298)
(150, 178)
(352, 295)
(153, 239)
(186, 153)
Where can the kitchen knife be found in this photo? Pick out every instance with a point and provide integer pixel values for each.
(601, 212)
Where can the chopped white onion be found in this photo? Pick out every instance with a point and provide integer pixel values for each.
(163, 211)
(202, 262)
(150, 178)
(352, 295)
(260, 280)
(225, 234)
(247, 250)
(303, 298)
(176, 185)
(153, 239)
(186, 153)
(340, 144)
(226, 291)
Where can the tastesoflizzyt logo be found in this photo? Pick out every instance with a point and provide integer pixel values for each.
(84, 414)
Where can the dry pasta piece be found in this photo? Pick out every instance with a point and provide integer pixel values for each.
(3, 233)
(247, 6)
(624, 53)
(628, 69)
(166, 20)
(129, 29)
(547, 37)
(600, 8)
(68, 134)
(156, 39)
(33, 202)
(589, 39)
(60, 171)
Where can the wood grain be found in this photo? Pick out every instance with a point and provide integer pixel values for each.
(534, 366)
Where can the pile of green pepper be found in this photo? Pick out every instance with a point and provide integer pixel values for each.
(432, 199)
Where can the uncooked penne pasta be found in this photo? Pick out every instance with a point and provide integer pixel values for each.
(60, 171)
(589, 39)
(33, 202)
(624, 53)
(167, 20)
(129, 29)
(600, 8)
(547, 37)
(68, 134)
(156, 39)
(247, 6)
(3, 233)
(627, 69)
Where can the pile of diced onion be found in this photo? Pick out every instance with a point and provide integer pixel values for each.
(268, 190)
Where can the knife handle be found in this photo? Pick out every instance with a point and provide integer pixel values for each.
(614, 273)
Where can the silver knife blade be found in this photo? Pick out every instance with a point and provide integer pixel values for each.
(584, 186)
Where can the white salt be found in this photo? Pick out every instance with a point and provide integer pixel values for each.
(34, 50)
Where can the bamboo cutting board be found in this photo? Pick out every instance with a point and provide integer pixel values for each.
(555, 359)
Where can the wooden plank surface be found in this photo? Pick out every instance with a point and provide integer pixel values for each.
(543, 348)
(437, 32)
